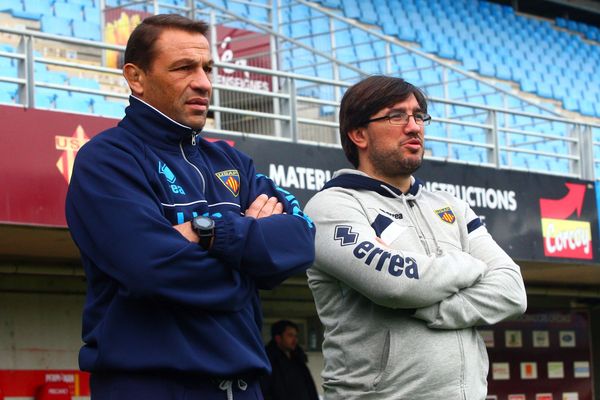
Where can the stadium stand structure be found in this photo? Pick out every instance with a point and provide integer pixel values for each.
(506, 90)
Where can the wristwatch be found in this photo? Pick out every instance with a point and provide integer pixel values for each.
(205, 229)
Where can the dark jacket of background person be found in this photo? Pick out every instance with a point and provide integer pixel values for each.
(290, 379)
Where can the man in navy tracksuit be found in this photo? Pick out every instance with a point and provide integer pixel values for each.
(176, 235)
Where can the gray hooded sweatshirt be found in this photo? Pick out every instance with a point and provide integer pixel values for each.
(400, 281)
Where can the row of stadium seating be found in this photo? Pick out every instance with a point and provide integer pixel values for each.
(480, 49)
(589, 31)
(69, 100)
(493, 41)
(77, 18)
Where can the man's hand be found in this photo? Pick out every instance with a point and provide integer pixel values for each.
(187, 232)
(264, 206)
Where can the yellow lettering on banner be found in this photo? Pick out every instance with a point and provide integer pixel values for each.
(560, 235)
(69, 145)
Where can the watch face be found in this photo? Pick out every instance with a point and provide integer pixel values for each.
(203, 223)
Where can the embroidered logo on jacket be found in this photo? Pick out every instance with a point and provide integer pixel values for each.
(170, 177)
(231, 180)
(344, 234)
(396, 215)
(446, 215)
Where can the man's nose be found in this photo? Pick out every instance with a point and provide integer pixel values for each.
(411, 124)
(201, 82)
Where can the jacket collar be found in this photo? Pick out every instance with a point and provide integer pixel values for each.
(353, 179)
(152, 126)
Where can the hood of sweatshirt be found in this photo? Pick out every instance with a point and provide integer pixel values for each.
(357, 180)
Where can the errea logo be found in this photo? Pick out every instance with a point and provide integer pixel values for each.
(344, 234)
(379, 259)
(163, 169)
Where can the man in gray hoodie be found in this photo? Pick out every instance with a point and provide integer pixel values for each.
(402, 275)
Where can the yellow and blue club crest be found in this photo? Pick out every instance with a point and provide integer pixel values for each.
(446, 215)
(231, 180)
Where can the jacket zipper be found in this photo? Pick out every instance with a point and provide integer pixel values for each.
(193, 141)
(420, 232)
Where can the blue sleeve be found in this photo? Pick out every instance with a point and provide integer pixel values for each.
(267, 249)
(116, 220)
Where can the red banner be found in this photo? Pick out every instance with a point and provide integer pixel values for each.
(39, 148)
(565, 237)
(243, 47)
(27, 383)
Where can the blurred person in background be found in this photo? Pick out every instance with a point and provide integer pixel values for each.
(290, 378)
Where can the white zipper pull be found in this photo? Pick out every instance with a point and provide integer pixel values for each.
(194, 139)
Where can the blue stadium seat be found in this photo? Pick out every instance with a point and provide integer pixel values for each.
(438, 149)
(86, 30)
(45, 97)
(43, 7)
(258, 14)
(10, 5)
(351, 9)
(51, 77)
(331, 3)
(587, 108)
(91, 14)
(238, 8)
(319, 25)
(543, 89)
(19, 13)
(571, 104)
(84, 83)
(70, 11)
(109, 109)
(56, 25)
(69, 103)
(8, 92)
(9, 67)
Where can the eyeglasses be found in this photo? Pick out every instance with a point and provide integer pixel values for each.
(401, 118)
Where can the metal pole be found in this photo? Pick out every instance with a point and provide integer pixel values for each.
(293, 109)
(274, 42)
(215, 52)
(29, 72)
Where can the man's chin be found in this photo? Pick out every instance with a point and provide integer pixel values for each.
(197, 124)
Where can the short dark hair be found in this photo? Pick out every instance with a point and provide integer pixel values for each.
(140, 46)
(368, 97)
(280, 326)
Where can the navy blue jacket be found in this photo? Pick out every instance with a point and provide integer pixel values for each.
(155, 301)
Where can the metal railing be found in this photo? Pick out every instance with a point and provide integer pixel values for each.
(253, 100)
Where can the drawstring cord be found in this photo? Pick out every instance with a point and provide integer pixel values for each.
(227, 386)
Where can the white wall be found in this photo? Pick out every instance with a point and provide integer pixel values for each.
(40, 331)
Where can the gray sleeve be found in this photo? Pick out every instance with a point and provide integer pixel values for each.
(347, 248)
(499, 295)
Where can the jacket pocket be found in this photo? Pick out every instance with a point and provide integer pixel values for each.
(385, 358)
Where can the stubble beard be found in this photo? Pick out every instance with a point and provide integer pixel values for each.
(393, 164)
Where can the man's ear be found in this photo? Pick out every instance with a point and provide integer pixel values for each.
(135, 77)
(359, 137)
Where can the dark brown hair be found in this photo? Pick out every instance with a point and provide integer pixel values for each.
(140, 46)
(280, 326)
(367, 98)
